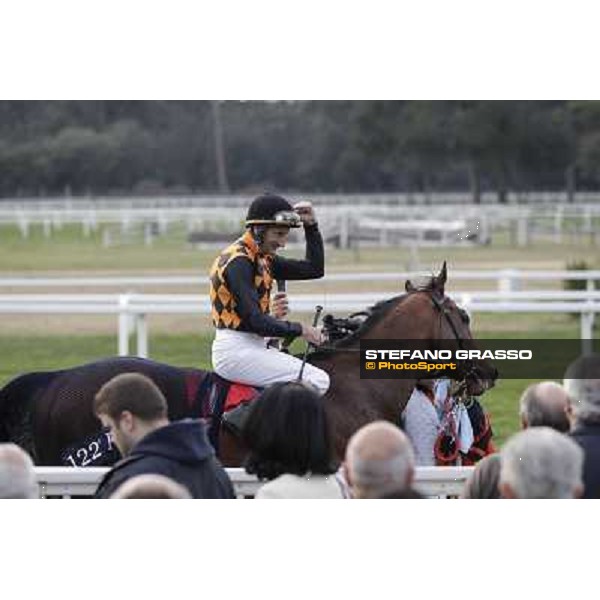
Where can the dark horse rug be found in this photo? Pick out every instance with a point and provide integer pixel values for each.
(45, 412)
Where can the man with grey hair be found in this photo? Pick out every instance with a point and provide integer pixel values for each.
(543, 404)
(17, 477)
(541, 463)
(379, 461)
(582, 382)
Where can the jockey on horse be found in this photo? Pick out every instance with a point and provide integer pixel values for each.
(241, 278)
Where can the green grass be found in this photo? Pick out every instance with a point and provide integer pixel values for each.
(21, 354)
(68, 249)
(502, 404)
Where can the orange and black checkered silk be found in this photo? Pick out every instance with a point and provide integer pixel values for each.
(223, 312)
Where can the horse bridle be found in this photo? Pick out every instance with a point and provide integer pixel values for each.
(466, 366)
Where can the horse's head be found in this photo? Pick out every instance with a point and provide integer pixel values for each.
(451, 323)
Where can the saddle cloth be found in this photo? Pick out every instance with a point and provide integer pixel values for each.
(211, 396)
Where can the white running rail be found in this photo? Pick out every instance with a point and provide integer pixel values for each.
(66, 482)
(506, 279)
(132, 309)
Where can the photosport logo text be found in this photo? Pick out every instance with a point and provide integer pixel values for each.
(514, 359)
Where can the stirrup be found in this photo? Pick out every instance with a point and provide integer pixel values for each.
(235, 419)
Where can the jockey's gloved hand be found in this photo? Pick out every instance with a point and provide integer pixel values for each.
(306, 212)
(313, 335)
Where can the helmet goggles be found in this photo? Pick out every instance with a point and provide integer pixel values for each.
(283, 218)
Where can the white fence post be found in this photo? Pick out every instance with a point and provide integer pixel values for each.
(142, 335)
(124, 324)
(509, 280)
(465, 304)
(344, 231)
(148, 234)
(587, 331)
(23, 224)
(558, 225)
(523, 230)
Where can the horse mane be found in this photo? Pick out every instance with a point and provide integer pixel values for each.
(377, 312)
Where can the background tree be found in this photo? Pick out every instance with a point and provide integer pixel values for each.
(142, 147)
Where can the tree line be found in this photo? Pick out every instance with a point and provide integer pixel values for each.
(182, 147)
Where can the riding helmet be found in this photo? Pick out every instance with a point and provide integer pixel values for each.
(270, 209)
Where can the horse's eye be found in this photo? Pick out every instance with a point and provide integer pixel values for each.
(464, 315)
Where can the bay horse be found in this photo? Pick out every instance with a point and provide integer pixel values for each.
(50, 414)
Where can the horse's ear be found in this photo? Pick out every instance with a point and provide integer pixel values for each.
(440, 280)
(409, 287)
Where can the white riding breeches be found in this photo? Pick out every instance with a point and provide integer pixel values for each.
(244, 357)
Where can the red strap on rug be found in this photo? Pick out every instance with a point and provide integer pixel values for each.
(239, 394)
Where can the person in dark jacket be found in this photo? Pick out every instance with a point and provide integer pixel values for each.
(135, 412)
(582, 382)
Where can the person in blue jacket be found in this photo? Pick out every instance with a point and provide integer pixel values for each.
(135, 411)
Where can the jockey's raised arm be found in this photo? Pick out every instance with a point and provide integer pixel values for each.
(313, 265)
(241, 279)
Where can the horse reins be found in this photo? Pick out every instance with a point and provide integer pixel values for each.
(469, 365)
(438, 305)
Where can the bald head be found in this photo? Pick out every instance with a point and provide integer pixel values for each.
(545, 405)
(379, 460)
(17, 477)
(151, 486)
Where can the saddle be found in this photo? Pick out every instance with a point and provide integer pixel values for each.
(220, 402)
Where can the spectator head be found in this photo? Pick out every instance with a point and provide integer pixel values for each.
(17, 477)
(379, 461)
(540, 462)
(151, 486)
(130, 405)
(287, 432)
(545, 405)
(582, 382)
